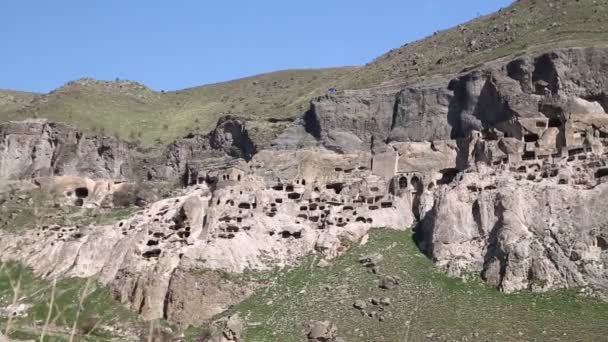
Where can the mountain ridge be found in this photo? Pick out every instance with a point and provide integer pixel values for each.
(526, 26)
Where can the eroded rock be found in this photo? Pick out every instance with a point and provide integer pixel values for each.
(322, 331)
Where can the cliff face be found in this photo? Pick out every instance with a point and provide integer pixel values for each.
(38, 148)
(519, 234)
(506, 95)
(503, 167)
(255, 215)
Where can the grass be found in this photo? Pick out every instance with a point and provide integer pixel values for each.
(12, 101)
(134, 112)
(526, 25)
(427, 305)
(82, 310)
(98, 308)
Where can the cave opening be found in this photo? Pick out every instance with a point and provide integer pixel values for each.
(82, 192)
(555, 122)
(336, 187)
(402, 182)
(531, 137)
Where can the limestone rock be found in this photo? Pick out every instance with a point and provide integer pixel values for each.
(39, 148)
(504, 166)
(359, 304)
(389, 282)
(322, 332)
(520, 235)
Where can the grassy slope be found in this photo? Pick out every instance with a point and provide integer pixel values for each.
(427, 306)
(132, 111)
(101, 318)
(526, 25)
(98, 307)
(11, 101)
(135, 112)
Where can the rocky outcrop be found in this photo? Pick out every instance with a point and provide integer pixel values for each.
(420, 114)
(271, 211)
(504, 168)
(232, 137)
(228, 141)
(350, 123)
(520, 234)
(38, 148)
(508, 96)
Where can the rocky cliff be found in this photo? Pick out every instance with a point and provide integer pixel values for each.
(502, 167)
(38, 148)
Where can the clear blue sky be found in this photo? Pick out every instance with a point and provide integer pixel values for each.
(181, 43)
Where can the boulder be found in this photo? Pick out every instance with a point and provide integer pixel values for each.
(321, 331)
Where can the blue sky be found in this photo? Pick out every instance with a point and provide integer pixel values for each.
(182, 43)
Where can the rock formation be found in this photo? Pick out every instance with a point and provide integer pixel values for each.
(38, 148)
(256, 215)
(503, 168)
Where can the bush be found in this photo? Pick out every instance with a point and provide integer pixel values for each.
(125, 197)
(87, 325)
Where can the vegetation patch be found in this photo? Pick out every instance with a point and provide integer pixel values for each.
(425, 305)
(33, 307)
(136, 113)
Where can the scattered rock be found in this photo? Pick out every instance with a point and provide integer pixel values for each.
(15, 310)
(323, 263)
(371, 260)
(234, 328)
(385, 301)
(322, 331)
(359, 304)
(388, 282)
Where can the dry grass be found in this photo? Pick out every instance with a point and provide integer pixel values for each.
(427, 305)
(526, 25)
(15, 288)
(135, 112)
(59, 309)
(50, 311)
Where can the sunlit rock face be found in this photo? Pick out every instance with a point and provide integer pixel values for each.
(501, 168)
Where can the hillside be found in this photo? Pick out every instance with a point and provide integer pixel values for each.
(427, 305)
(524, 26)
(135, 112)
(11, 101)
(460, 196)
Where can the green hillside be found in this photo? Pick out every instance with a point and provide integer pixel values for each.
(526, 25)
(427, 305)
(135, 112)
